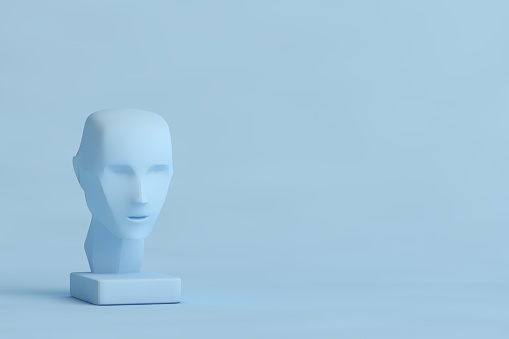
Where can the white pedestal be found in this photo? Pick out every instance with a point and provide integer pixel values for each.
(125, 288)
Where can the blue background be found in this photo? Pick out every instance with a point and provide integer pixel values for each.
(341, 167)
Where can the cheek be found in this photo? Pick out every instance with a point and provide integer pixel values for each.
(157, 187)
(94, 194)
(116, 190)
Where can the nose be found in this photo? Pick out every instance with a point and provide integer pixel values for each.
(140, 194)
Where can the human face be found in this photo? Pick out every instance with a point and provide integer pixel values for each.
(126, 193)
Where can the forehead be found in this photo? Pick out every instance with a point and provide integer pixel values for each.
(136, 148)
(131, 137)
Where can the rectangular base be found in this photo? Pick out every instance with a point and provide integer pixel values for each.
(125, 288)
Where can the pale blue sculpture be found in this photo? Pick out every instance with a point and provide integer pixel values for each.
(124, 166)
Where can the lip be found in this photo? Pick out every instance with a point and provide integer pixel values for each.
(138, 218)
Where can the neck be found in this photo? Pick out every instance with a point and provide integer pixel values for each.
(107, 253)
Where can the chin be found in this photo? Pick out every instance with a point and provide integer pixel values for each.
(134, 232)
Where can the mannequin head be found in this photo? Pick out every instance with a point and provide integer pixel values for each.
(124, 166)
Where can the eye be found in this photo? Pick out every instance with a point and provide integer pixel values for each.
(159, 168)
(121, 169)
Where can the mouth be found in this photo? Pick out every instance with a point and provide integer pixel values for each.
(138, 218)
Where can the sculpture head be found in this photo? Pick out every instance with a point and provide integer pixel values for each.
(124, 166)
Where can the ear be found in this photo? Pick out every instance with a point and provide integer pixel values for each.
(76, 168)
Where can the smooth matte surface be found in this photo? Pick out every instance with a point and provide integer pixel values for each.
(126, 288)
(354, 150)
(124, 166)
